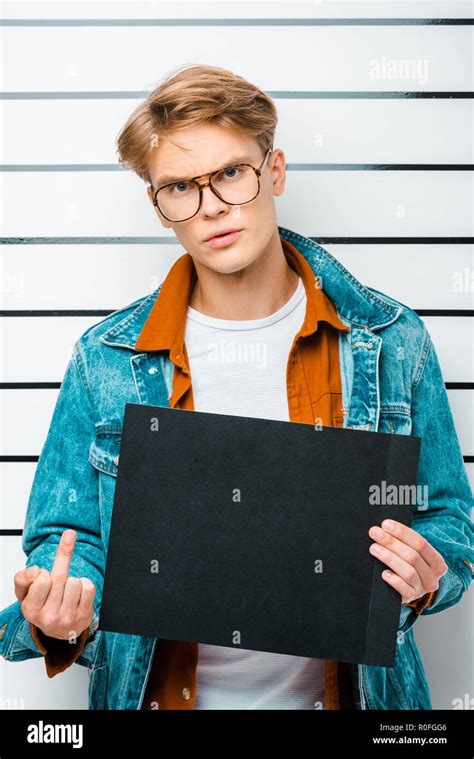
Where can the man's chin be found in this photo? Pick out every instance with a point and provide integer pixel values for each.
(226, 261)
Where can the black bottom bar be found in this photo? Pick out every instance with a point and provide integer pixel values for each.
(436, 733)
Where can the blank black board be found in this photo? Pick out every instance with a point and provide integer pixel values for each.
(249, 532)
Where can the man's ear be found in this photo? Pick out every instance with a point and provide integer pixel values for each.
(279, 172)
(165, 223)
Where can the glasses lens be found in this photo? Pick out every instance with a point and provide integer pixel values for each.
(235, 185)
(179, 200)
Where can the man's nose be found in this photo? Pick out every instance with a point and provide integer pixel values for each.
(211, 204)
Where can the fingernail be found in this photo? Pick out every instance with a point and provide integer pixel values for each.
(388, 524)
(31, 571)
(69, 537)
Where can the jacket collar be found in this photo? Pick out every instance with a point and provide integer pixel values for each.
(159, 322)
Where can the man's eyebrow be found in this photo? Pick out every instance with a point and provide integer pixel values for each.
(167, 179)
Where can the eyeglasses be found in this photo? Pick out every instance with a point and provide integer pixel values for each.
(181, 200)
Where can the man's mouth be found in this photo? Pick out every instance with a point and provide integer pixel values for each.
(218, 241)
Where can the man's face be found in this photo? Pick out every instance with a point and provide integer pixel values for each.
(191, 152)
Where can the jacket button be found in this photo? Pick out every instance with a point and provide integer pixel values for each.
(469, 564)
(186, 693)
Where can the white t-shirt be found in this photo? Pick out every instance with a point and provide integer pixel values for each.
(239, 367)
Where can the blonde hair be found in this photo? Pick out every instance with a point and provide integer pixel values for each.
(197, 94)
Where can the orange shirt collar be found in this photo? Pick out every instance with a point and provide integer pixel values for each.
(166, 323)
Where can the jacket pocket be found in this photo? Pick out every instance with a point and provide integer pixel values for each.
(104, 449)
(104, 453)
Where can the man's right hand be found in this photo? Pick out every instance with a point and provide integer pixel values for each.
(61, 606)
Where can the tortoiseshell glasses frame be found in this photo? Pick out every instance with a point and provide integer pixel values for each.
(201, 185)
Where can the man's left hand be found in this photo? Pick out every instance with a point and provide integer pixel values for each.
(415, 566)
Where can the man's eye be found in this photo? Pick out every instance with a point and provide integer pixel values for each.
(231, 172)
(179, 186)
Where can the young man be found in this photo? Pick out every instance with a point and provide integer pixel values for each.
(335, 352)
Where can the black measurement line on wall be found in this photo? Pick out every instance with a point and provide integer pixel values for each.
(275, 94)
(57, 385)
(106, 312)
(106, 167)
(447, 240)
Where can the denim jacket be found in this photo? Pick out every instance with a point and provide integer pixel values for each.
(391, 382)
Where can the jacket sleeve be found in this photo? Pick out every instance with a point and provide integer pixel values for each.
(445, 519)
(64, 495)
